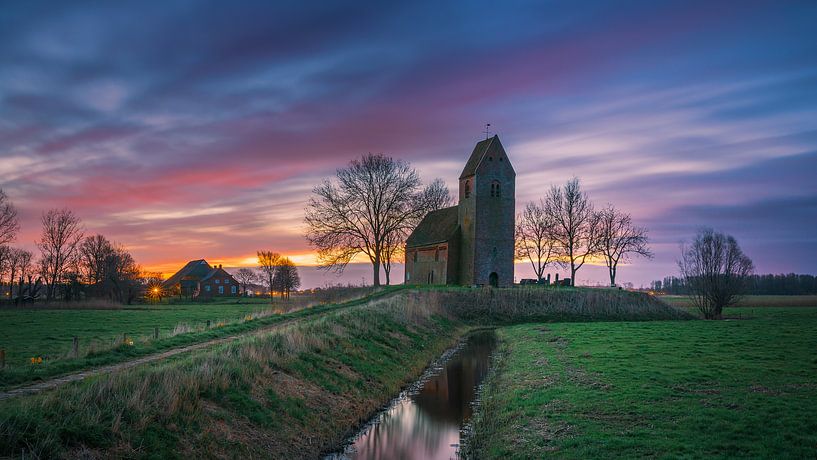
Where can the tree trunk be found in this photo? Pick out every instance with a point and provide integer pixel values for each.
(376, 272)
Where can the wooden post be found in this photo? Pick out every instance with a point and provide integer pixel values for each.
(208, 324)
(75, 347)
(2, 358)
(156, 332)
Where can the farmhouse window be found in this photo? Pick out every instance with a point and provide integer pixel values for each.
(207, 287)
(232, 289)
(217, 281)
(467, 189)
(221, 289)
(227, 281)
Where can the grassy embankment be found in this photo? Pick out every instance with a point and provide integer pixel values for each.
(695, 389)
(48, 333)
(752, 301)
(296, 392)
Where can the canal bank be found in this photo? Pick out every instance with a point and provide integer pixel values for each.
(425, 421)
(293, 393)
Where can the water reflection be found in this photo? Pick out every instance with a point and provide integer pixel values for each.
(425, 422)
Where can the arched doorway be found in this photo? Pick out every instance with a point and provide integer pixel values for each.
(493, 279)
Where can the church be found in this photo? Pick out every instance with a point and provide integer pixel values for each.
(471, 244)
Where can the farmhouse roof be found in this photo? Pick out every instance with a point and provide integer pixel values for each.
(436, 227)
(195, 269)
(215, 271)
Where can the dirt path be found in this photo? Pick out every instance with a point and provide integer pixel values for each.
(81, 375)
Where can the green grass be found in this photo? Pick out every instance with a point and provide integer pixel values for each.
(48, 333)
(292, 393)
(752, 301)
(691, 389)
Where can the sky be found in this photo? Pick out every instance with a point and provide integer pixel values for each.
(191, 129)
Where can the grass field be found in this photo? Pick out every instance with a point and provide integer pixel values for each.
(753, 301)
(47, 331)
(43, 332)
(692, 389)
(25, 333)
(293, 393)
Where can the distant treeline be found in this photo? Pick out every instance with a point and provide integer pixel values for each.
(789, 284)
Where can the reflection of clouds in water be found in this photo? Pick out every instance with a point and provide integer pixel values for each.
(405, 431)
(427, 424)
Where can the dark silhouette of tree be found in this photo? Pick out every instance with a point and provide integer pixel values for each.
(619, 239)
(715, 271)
(435, 196)
(9, 225)
(121, 276)
(58, 244)
(19, 265)
(534, 241)
(268, 262)
(365, 210)
(94, 253)
(246, 277)
(574, 225)
(286, 277)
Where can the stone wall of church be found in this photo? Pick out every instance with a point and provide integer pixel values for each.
(495, 220)
(427, 265)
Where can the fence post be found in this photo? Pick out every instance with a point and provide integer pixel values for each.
(75, 347)
(208, 324)
(2, 358)
(155, 332)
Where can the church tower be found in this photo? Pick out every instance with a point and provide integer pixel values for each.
(486, 216)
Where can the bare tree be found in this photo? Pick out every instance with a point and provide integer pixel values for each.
(574, 224)
(619, 239)
(94, 252)
(286, 277)
(246, 277)
(268, 262)
(18, 266)
(433, 197)
(533, 238)
(370, 199)
(715, 271)
(58, 244)
(6, 264)
(9, 226)
(121, 276)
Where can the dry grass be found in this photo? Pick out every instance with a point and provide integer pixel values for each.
(543, 304)
(350, 361)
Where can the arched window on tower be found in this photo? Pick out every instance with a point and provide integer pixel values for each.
(495, 189)
(467, 188)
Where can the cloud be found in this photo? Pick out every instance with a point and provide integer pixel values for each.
(188, 130)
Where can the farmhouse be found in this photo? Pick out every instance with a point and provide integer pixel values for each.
(470, 244)
(198, 279)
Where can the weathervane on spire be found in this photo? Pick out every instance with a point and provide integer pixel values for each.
(487, 131)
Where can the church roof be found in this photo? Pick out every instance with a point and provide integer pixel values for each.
(479, 152)
(436, 227)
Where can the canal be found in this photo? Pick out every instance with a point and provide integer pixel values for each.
(425, 420)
